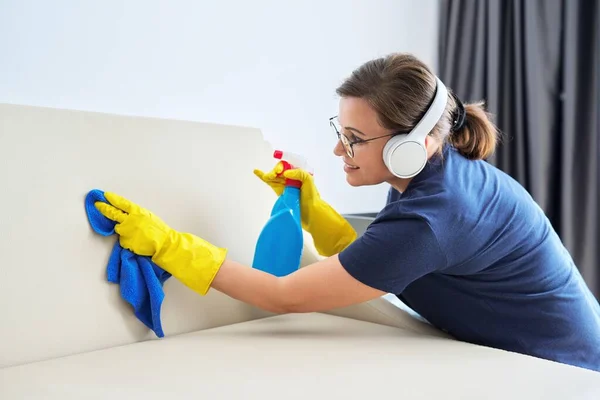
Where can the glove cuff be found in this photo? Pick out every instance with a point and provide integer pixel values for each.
(190, 259)
(331, 232)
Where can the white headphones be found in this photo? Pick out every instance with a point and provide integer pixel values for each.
(406, 155)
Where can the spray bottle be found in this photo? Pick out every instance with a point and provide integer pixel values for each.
(279, 245)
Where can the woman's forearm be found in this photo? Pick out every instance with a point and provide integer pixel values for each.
(320, 286)
(251, 286)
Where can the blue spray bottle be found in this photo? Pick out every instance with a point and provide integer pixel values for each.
(279, 245)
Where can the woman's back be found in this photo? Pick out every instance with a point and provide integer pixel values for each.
(507, 280)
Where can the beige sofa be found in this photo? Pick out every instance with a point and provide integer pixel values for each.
(66, 332)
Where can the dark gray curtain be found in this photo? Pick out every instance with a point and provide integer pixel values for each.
(536, 63)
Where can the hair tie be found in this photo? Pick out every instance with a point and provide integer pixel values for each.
(459, 116)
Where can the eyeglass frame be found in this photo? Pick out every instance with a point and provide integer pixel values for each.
(348, 144)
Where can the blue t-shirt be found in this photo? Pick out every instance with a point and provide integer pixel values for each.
(467, 248)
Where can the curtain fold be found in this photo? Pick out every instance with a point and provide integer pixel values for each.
(536, 63)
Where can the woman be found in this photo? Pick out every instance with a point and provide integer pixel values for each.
(458, 241)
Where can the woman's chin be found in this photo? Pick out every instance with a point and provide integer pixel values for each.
(358, 179)
(354, 179)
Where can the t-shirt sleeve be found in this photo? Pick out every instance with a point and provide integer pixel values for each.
(393, 253)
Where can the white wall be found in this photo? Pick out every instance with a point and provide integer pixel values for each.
(263, 63)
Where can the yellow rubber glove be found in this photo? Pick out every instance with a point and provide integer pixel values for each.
(330, 231)
(190, 259)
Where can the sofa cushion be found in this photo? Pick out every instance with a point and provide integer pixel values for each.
(301, 356)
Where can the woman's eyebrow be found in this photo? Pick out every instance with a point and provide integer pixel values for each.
(349, 128)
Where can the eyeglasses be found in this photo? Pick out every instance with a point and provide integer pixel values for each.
(347, 143)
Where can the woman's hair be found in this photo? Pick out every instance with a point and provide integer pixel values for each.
(401, 88)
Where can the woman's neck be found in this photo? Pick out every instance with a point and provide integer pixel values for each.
(400, 184)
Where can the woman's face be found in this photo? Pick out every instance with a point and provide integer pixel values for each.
(358, 121)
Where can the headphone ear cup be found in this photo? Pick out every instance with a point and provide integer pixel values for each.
(404, 157)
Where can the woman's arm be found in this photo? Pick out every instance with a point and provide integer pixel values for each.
(201, 265)
(321, 286)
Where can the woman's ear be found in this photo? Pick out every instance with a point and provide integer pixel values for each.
(431, 144)
(428, 142)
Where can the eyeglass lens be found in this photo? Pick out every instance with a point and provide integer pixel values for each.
(345, 142)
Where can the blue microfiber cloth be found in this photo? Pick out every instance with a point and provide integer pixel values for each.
(141, 281)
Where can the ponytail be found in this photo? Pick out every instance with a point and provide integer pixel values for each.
(476, 139)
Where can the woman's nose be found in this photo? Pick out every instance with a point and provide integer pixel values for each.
(338, 150)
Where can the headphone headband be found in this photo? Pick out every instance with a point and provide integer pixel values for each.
(433, 114)
(406, 155)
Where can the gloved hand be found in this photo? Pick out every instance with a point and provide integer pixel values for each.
(190, 259)
(330, 231)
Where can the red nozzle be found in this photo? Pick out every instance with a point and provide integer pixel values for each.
(278, 154)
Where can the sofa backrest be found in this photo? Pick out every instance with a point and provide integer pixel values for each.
(54, 296)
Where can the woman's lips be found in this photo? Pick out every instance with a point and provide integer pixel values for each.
(350, 168)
